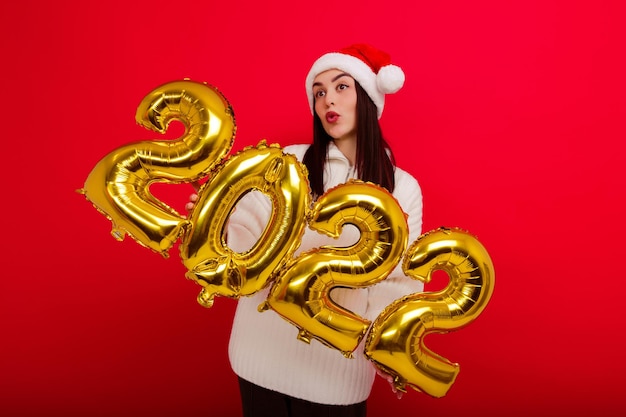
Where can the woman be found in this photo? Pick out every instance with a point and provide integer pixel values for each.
(279, 374)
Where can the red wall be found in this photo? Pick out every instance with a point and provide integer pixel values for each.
(512, 118)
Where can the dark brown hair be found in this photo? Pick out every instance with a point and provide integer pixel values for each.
(374, 158)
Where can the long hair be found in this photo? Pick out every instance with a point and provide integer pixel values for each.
(374, 159)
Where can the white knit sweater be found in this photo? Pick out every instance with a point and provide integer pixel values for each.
(263, 347)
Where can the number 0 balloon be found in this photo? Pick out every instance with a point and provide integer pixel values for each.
(210, 262)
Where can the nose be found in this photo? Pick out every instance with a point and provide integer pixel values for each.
(329, 98)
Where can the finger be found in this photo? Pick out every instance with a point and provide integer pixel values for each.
(396, 391)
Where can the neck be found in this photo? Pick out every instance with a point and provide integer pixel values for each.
(347, 148)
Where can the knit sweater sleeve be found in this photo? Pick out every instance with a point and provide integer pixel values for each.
(247, 222)
(397, 284)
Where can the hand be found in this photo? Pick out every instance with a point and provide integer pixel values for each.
(192, 202)
(193, 197)
(390, 379)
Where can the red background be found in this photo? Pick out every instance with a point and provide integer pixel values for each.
(512, 118)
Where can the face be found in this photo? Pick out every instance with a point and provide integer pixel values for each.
(334, 97)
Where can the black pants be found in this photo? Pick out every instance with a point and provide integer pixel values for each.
(261, 402)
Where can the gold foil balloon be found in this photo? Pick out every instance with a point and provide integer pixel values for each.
(210, 262)
(118, 186)
(395, 341)
(300, 293)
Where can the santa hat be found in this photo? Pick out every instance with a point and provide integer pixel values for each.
(370, 67)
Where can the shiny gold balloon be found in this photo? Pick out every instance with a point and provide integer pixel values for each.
(395, 340)
(300, 293)
(210, 262)
(118, 186)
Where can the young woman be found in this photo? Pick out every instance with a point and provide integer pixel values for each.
(280, 375)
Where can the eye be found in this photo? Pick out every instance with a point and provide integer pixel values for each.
(342, 86)
(319, 93)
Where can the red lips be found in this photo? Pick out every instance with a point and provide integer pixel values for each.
(332, 117)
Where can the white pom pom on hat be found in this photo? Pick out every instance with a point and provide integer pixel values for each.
(370, 67)
(390, 79)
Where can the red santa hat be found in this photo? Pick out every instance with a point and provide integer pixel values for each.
(370, 67)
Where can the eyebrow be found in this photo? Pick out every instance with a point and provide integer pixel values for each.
(335, 78)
